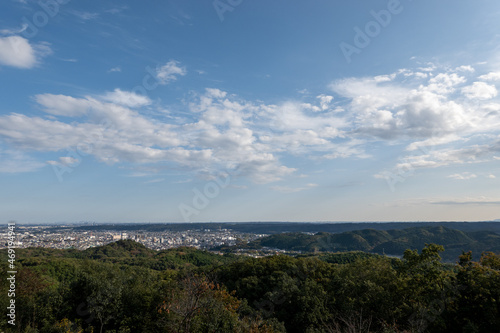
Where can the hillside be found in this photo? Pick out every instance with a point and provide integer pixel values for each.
(130, 253)
(125, 287)
(391, 242)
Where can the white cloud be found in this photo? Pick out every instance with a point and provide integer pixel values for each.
(16, 51)
(451, 156)
(463, 176)
(444, 83)
(17, 162)
(465, 68)
(61, 105)
(67, 161)
(434, 141)
(115, 69)
(13, 31)
(325, 101)
(430, 68)
(170, 71)
(117, 10)
(222, 132)
(492, 176)
(402, 106)
(480, 90)
(390, 111)
(126, 98)
(86, 16)
(219, 139)
(33, 133)
(492, 76)
(425, 113)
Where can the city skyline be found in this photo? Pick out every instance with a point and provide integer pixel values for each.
(231, 111)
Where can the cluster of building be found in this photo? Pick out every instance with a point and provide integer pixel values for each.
(66, 237)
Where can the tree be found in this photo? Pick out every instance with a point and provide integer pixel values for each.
(200, 305)
(477, 305)
(427, 286)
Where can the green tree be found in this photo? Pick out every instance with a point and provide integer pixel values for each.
(427, 286)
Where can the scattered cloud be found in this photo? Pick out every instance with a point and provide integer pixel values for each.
(14, 31)
(463, 176)
(86, 16)
(17, 52)
(116, 10)
(126, 98)
(115, 69)
(225, 134)
(466, 68)
(13, 161)
(492, 76)
(170, 71)
(427, 114)
(450, 156)
(480, 90)
(325, 101)
(67, 161)
(389, 110)
(61, 105)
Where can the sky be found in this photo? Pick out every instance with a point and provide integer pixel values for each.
(238, 110)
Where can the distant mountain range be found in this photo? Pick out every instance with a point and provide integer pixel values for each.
(391, 242)
(280, 227)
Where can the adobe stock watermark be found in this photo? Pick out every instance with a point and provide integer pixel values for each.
(363, 36)
(83, 311)
(11, 273)
(223, 6)
(75, 154)
(202, 197)
(422, 318)
(49, 9)
(404, 169)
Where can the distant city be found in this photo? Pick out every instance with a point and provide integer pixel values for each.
(205, 236)
(74, 236)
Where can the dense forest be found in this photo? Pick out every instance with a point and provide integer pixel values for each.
(391, 242)
(125, 287)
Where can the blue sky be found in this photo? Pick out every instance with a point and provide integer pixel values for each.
(238, 110)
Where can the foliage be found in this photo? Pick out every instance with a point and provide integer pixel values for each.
(393, 242)
(109, 289)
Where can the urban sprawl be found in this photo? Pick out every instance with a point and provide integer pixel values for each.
(67, 237)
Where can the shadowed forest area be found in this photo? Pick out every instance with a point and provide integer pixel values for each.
(392, 242)
(125, 287)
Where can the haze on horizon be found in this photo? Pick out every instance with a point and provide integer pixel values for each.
(118, 111)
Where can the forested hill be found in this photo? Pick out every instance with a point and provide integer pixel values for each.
(128, 252)
(125, 287)
(392, 242)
